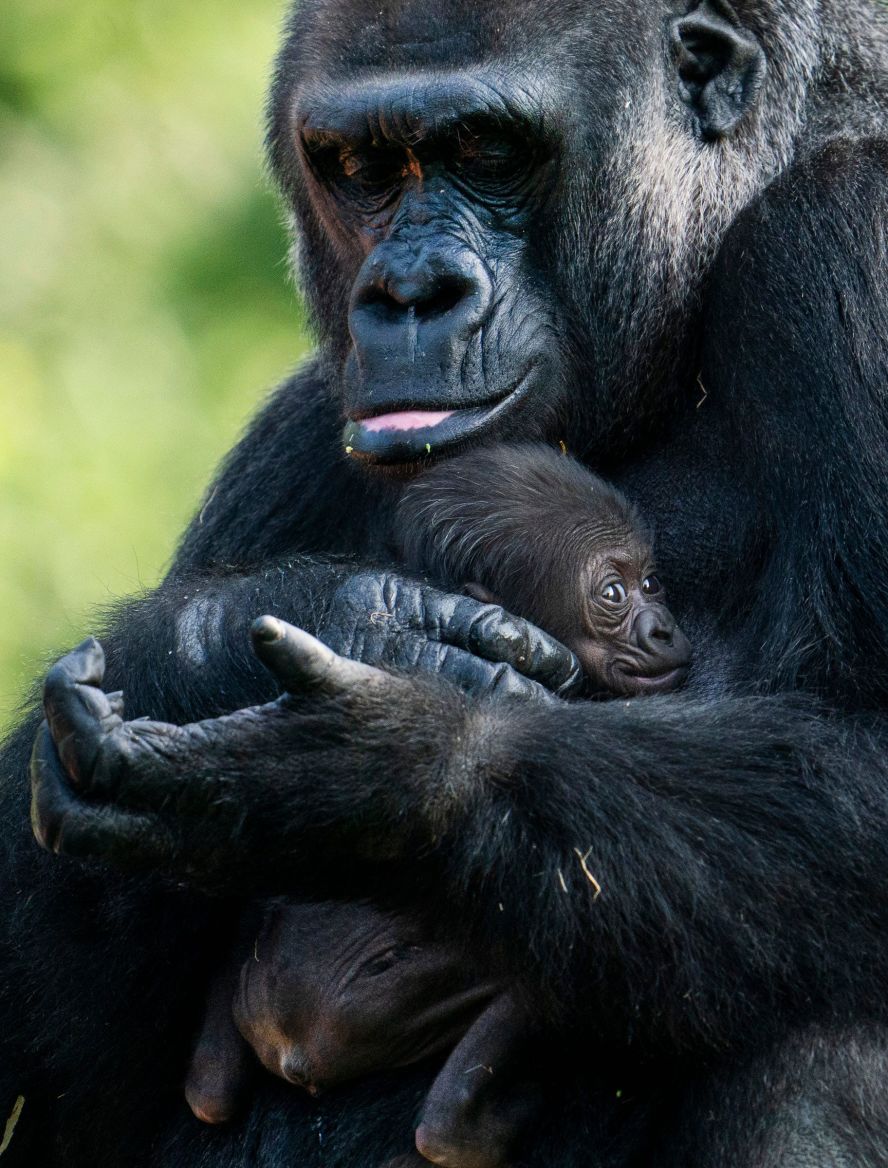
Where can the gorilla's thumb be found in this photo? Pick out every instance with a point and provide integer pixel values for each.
(301, 662)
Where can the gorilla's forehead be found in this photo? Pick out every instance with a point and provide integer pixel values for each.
(393, 34)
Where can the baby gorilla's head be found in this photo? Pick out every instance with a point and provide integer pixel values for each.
(335, 991)
(533, 530)
(610, 608)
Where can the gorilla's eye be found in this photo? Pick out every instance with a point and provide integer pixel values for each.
(650, 586)
(368, 174)
(383, 962)
(488, 160)
(374, 171)
(614, 593)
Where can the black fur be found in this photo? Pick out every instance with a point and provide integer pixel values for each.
(716, 315)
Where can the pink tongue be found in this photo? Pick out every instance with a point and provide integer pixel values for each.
(408, 420)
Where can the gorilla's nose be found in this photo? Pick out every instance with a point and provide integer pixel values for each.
(399, 283)
(414, 311)
(429, 288)
(296, 1070)
(655, 630)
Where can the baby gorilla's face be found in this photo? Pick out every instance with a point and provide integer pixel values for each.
(334, 992)
(627, 641)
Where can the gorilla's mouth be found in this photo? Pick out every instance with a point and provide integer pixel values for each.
(410, 432)
(630, 683)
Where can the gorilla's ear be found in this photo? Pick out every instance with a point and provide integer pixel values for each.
(720, 66)
(479, 592)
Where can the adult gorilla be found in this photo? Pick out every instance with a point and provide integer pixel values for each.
(656, 231)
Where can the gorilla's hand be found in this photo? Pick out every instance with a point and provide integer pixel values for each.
(286, 787)
(387, 620)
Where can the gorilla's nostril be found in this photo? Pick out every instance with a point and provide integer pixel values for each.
(428, 297)
(445, 298)
(393, 302)
(382, 307)
(661, 633)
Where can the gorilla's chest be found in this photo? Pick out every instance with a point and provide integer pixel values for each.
(708, 528)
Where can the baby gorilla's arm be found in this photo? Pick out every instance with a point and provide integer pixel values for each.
(221, 1065)
(484, 1097)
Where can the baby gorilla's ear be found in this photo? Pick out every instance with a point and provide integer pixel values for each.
(479, 592)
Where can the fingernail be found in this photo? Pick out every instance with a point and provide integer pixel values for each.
(266, 628)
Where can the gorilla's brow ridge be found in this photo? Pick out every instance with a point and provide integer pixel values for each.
(422, 105)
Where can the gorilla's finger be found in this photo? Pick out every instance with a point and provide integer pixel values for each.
(117, 704)
(77, 710)
(84, 665)
(220, 1067)
(46, 774)
(476, 675)
(490, 632)
(301, 662)
(63, 823)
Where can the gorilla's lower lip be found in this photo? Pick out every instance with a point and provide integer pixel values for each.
(410, 434)
(655, 682)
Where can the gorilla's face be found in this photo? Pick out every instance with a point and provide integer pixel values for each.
(467, 225)
(433, 187)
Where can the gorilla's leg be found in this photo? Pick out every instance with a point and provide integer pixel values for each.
(818, 1100)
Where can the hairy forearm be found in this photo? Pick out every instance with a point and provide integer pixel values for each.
(183, 652)
(676, 867)
(687, 870)
(716, 857)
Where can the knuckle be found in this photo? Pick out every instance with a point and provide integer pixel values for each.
(481, 629)
(454, 663)
(507, 682)
(107, 766)
(58, 681)
(520, 641)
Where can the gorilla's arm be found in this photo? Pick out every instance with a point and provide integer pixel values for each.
(182, 653)
(290, 526)
(669, 868)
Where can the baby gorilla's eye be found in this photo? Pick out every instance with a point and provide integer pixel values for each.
(391, 957)
(614, 593)
(650, 586)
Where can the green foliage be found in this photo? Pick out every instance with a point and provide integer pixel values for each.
(144, 299)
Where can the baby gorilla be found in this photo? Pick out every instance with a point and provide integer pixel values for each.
(532, 530)
(323, 997)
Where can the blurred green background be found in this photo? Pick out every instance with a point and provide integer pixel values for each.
(145, 305)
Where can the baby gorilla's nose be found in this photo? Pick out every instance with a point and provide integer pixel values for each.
(295, 1069)
(655, 629)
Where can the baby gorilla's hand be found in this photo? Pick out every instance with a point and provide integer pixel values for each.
(483, 1099)
(221, 1064)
